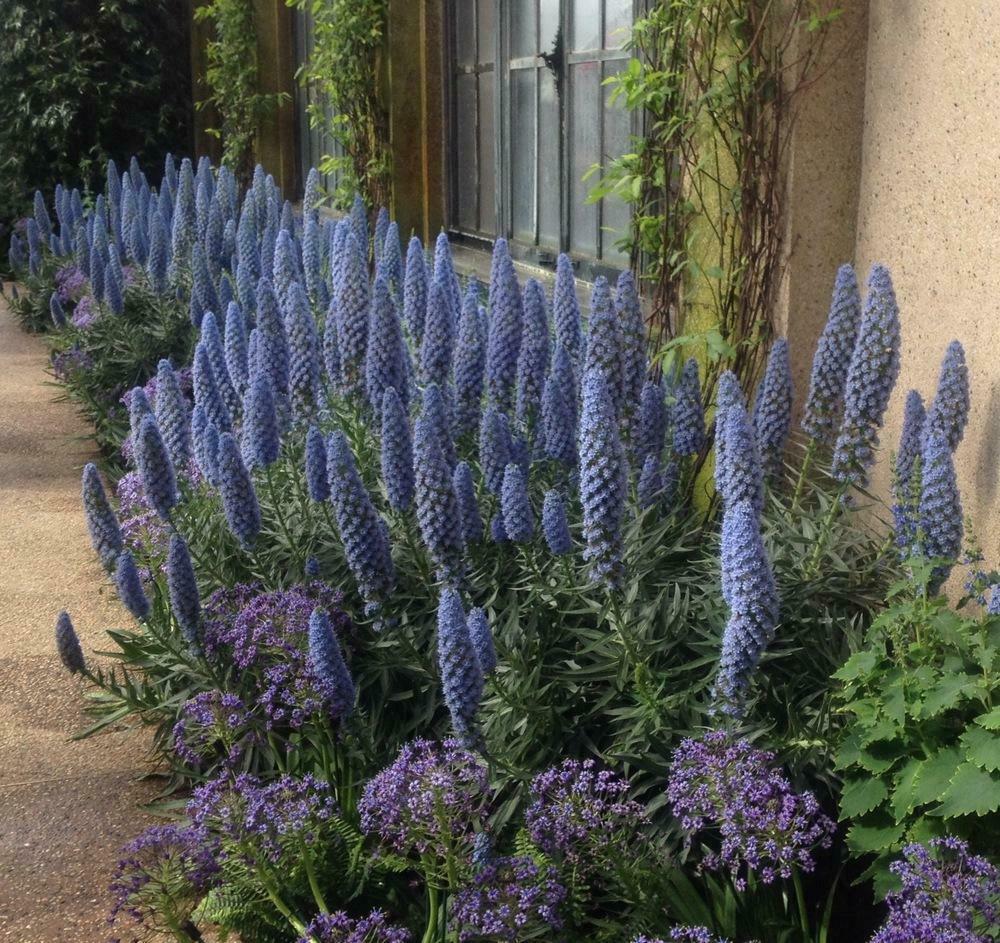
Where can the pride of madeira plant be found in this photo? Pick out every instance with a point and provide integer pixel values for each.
(434, 639)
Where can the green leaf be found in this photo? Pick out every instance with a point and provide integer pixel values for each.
(991, 720)
(903, 794)
(972, 791)
(934, 775)
(861, 796)
(865, 839)
(982, 747)
(947, 693)
(859, 664)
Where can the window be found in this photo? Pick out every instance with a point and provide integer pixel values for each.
(529, 116)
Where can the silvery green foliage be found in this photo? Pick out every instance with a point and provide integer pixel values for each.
(68, 645)
(604, 344)
(949, 411)
(461, 672)
(870, 379)
(470, 364)
(772, 412)
(415, 291)
(518, 518)
(182, 587)
(494, 448)
(105, 534)
(940, 527)
(555, 527)
(832, 360)
(352, 317)
(396, 452)
(327, 660)
(155, 468)
(260, 439)
(317, 483)
(506, 318)
(239, 500)
(237, 365)
(533, 360)
(688, 416)
(749, 590)
(566, 311)
(363, 533)
(129, 586)
(304, 368)
(603, 482)
(468, 505)
(439, 335)
(904, 485)
(559, 410)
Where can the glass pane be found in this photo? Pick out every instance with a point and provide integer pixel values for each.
(586, 31)
(487, 162)
(523, 41)
(522, 153)
(617, 20)
(465, 34)
(548, 24)
(615, 211)
(549, 183)
(465, 152)
(487, 35)
(585, 98)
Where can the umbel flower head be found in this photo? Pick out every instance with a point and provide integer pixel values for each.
(397, 452)
(239, 500)
(870, 379)
(518, 519)
(772, 411)
(940, 531)
(155, 468)
(949, 412)
(833, 359)
(105, 534)
(364, 534)
(385, 363)
(554, 524)
(129, 586)
(68, 645)
(604, 344)
(506, 318)
(182, 587)
(461, 672)
(749, 589)
(327, 661)
(603, 482)
(906, 498)
(338, 927)
(470, 363)
(468, 506)
(688, 416)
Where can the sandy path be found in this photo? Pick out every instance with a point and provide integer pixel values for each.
(65, 807)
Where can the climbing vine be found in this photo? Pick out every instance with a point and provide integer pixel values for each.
(343, 74)
(233, 81)
(716, 84)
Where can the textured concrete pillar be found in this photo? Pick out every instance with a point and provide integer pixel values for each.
(276, 139)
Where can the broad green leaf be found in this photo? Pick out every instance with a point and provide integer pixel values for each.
(934, 775)
(982, 747)
(945, 694)
(857, 665)
(991, 720)
(972, 791)
(903, 798)
(865, 839)
(861, 796)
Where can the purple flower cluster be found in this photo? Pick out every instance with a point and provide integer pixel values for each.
(255, 819)
(580, 811)
(732, 789)
(143, 531)
(429, 801)
(947, 894)
(68, 362)
(685, 935)
(510, 899)
(70, 283)
(265, 637)
(86, 313)
(213, 723)
(340, 928)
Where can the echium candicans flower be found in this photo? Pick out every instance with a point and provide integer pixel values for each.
(158, 260)
(555, 527)
(685, 934)
(437, 348)
(363, 533)
(259, 438)
(437, 506)
(246, 291)
(734, 792)
(105, 534)
(129, 586)
(312, 260)
(603, 482)
(738, 472)
(237, 364)
(604, 344)
(338, 927)
(211, 340)
(113, 291)
(390, 263)
(285, 270)
(206, 390)
(468, 506)
(533, 360)
(385, 366)
(317, 483)
(688, 416)
(312, 195)
(518, 518)
(68, 645)
(559, 410)
(155, 468)
(56, 311)
(397, 452)
(494, 447)
(905, 492)
(633, 333)
(506, 318)
(481, 634)
(272, 348)
(184, 220)
(566, 311)
(358, 219)
(651, 432)
(304, 370)
(201, 280)
(728, 394)
(239, 500)
(378, 237)
(415, 291)
(327, 661)
(247, 249)
(182, 588)
(870, 379)
(205, 443)
(832, 359)
(444, 272)
(352, 316)
(941, 529)
(461, 672)
(949, 411)
(772, 411)
(434, 416)
(749, 590)
(41, 215)
(470, 364)
(649, 489)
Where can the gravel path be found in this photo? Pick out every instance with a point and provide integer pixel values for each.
(65, 807)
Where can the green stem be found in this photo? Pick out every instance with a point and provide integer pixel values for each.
(800, 898)
(431, 931)
(803, 474)
(283, 526)
(824, 533)
(307, 863)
